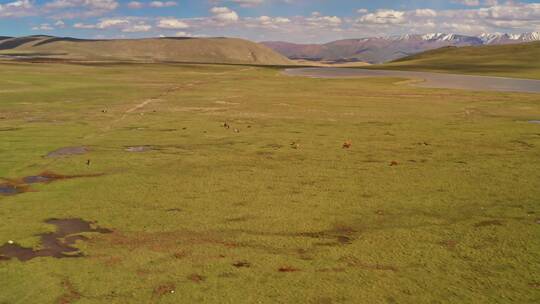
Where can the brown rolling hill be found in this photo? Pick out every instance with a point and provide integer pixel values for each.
(370, 50)
(194, 50)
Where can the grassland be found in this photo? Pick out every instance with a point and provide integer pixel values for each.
(436, 201)
(514, 60)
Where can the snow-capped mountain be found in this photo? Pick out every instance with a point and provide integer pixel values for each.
(381, 49)
(443, 37)
(486, 38)
(501, 38)
(533, 36)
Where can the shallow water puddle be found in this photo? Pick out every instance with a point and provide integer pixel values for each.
(67, 151)
(37, 179)
(48, 177)
(10, 189)
(22, 185)
(57, 244)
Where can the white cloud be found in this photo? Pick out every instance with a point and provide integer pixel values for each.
(80, 25)
(152, 4)
(108, 23)
(137, 28)
(106, 5)
(468, 2)
(126, 25)
(19, 8)
(135, 5)
(224, 14)
(425, 13)
(317, 20)
(248, 3)
(70, 9)
(384, 17)
(172, 24)
(267, 22)
(160, 4)
(43, 27)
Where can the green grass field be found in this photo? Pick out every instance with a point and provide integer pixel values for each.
(436, 201)
(513, 60)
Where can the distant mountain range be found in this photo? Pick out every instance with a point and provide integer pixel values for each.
(383, 49)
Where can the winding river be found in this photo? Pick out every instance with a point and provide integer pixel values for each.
(427, 79)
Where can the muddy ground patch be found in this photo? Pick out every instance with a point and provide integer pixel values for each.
(21, 185)
(58, 244)
(68, 151)
(49, 177)
(8, 189)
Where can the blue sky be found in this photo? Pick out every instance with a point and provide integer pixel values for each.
(289, 20)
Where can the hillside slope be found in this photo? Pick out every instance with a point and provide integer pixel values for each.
(384, 49)
(198, 50)
(516, 60)
(370, 50)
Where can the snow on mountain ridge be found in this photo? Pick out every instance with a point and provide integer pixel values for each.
(486, 38)
(377, 49)
(533, 36)
(497, 38)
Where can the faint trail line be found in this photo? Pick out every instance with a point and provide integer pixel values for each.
(148, 101)
(135, 108)
(170, 91)
(141, 105)
(159, 98)
(174, 89)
